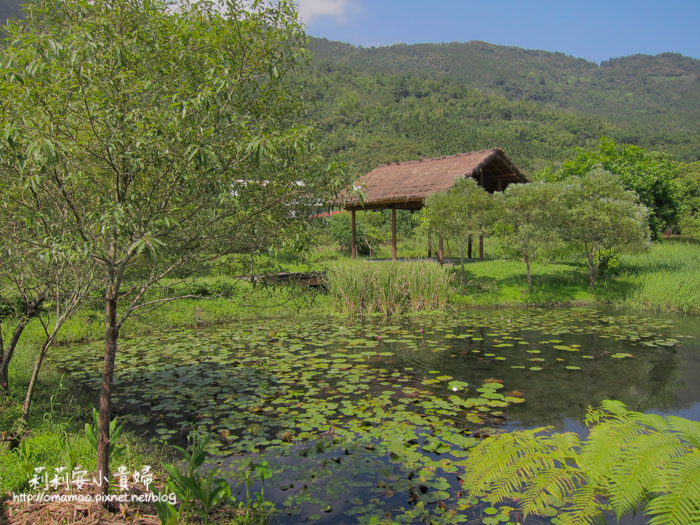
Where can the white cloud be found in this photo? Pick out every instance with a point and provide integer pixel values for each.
(310, 10)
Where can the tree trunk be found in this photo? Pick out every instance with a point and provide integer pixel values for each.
(481, 247)
(461, 260)
(441, 253)
(6, 355)
(103, 437)
(35, 374)
(591, 270)
(529, 276)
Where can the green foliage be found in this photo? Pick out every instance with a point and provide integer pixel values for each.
(530, 218)
(651, 101)
(628, 460)
(649, 175)
(368, 231)
(602, 216)
(387, 288)
(206, 492)
(116, 453)
(460, 213)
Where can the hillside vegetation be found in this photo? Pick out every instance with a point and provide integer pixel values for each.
(653, 101)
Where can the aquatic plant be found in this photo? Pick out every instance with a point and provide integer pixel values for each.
(206, 492)
(388, 288)
(628, 460)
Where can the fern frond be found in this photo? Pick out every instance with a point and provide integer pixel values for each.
(681, 505)
(643, 464)
(493, 460)
(686, 429)
(555, 484)
(606, 443)
(627, 458)
(586, 507)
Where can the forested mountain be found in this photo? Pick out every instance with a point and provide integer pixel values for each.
(401, 102)
(545, 102)
(371, 118)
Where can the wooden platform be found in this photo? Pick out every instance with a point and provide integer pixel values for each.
(310, 279)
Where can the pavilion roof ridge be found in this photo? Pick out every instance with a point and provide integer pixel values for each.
(441, 157)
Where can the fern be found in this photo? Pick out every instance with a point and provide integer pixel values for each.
(681, 504)
(629, 460)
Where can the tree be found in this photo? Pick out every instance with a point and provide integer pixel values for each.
(369, 234)
(649, 175)
(22, 300)
(154, 139)
(601, 215)
(459, 213)
(46, 285)
(689, 188)
(530, 217)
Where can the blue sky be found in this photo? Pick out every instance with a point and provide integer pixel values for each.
(592, 29)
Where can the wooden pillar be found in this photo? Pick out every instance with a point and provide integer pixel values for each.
(499, 184)
(430, 248)
(393, 234)
(481, 247)
(353, 241)
(440, 250)
(469, 247)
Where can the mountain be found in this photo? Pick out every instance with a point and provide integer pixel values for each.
(401, 102)
(654, 101)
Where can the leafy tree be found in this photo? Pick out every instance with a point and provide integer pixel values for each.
(689, 186)
(602, 216)
(458, 214)
(22, 300)
(369, 234)
(530, 218)
(650, 175)
(153, 139)
(628, 459)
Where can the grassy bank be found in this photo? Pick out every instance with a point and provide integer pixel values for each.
(666, 278)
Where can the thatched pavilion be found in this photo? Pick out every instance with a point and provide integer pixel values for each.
(405, 185)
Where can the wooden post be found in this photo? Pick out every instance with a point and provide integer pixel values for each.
(499, 184)
(440, 250)
(481, 247)
(469, 247)
(393, 234)
(430, 247)
(353, 238)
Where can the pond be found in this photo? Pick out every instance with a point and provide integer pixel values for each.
(374, 419)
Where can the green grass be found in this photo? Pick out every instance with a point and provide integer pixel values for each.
(666, 278)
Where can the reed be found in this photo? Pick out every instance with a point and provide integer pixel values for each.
(388, 288)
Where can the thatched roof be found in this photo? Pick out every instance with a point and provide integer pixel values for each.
(407, 184)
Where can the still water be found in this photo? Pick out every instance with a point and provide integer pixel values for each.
(373, 419)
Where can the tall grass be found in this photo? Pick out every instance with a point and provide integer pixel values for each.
(665, 278)
(388, 288)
